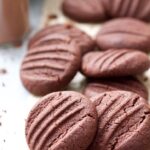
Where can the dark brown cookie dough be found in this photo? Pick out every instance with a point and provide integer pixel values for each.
(114, 63)
(49, 68)
(85, 10)
(139, 9)
(84, 41)
(98, 86)
(124, 33)
(124, 122)
(61, 121)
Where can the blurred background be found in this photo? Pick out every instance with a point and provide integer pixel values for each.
(15, 101)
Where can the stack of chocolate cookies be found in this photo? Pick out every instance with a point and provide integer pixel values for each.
(112, 113)
(56, 53)
(122, 43)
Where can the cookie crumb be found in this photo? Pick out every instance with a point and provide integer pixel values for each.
(3, 71)
(4, 111)
(3, 84)
(145, 79)
(52, 16)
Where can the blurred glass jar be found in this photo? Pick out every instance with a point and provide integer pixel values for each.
(14, 20)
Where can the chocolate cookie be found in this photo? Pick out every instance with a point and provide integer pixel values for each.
(61, 121)
(139, 9)
(83, 40)
(50, 68)
(124, 33)
(84, 10)
(97, 86)
(124, 122)
(114, 63)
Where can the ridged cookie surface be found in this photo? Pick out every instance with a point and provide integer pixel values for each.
(84, 41)
(114, 63)
(124, 122)
(61, 121)
(98, 86)
(139, 9)
(48, 68)
(124, 33)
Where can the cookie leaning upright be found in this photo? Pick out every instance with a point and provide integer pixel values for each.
(50, 66)
(61, 121)
(114, 63)
(124, 122)
(124, 33)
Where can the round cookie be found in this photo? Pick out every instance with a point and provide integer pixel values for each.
(139, 9)
(98, 86)
(61, 121)
(124, 33)
(84, 41)
(114, 63)
(124, 122)
(85, 10)
(49, 68)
